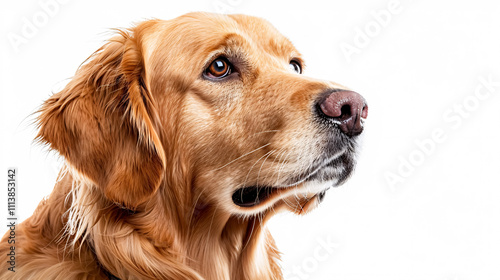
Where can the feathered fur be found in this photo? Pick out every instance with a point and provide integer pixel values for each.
(154, 151)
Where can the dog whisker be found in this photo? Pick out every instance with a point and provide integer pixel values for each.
(255, 163)
(240, 157)
(263, 162)
(266, 131)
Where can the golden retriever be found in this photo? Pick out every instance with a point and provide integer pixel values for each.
(181, 139)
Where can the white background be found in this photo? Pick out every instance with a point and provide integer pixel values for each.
(441, 221)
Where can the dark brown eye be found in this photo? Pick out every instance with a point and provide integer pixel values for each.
(295, 66)
(218, 69)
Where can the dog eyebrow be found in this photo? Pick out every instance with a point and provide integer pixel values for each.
(232, 44)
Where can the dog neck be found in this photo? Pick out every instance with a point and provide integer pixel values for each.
(160, 241)
(231, 247)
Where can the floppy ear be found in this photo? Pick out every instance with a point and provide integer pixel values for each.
(103, 123)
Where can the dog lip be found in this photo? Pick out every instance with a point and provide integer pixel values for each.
(252, 195)
(314, 170)
(321, 195)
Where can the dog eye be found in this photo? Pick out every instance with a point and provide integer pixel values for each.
(295, 66)
(218, 69)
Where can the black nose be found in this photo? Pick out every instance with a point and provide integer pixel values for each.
(346, 108)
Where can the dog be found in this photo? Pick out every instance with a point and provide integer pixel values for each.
(181, 139)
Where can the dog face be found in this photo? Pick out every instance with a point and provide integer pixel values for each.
(216, 102)
(257, 131)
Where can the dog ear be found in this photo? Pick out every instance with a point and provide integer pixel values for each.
(103, 123)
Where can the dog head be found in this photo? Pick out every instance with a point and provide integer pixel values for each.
(213, 106)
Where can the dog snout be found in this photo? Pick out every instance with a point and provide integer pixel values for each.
(346, 109)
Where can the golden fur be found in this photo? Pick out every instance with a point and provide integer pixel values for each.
(154, 152)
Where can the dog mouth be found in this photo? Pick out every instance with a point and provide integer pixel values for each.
(335, 170)
(254, 195)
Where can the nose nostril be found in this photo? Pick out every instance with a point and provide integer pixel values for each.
(345, 112)
(364, 112)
